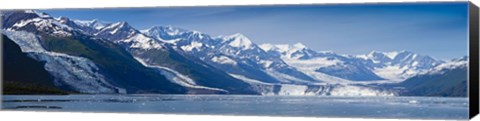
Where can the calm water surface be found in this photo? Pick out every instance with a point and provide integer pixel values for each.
(305, 106)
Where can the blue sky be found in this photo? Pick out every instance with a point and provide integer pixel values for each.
(436, 29)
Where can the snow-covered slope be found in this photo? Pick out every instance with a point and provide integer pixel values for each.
(296, 51)
(32, 21)
(79, 73)
(239, 41)
(400, 65)
(335, 68)
(179, 78)
(449, 65)
(124, 34)
(74, 72)
(235, 54)
(96, 24)
(326, 66)
(159, 54)
(447, 79)
(195, 60)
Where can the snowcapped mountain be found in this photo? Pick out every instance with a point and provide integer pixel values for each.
(117, 31)
(154, 53)
(32, 21)
(91, 56)
(20, 27)
(89, 64)
(239, 41)
(296, 51)
(126, 35)
(91, 80)
(370, 67)
(95, 24)
(449, 65)
(236, 54)
(327, 66)
(73, 24)
(399, 65)
(446, 79)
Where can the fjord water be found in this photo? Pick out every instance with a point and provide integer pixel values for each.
(309, 106)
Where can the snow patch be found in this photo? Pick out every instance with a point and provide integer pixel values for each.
(224, 60)
(91, 23)
(284, 77)
(314, 63)
(177, 77)
(193, 45)
(266, 63)
(310, 66)
(40, 14)
(248, 80)
(391, 55)
(446, 66)
(45, 24)
(267, 47)
(285, 49)
(142, 42)
(395, 73)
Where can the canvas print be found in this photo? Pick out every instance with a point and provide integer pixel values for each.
(385, 60)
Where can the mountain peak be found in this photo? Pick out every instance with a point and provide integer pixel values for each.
(170, 27)
(116, 31)
(40, 14)
(299, 46)
(167, 27)
(95, 23)
(283, 47)
(405, 52)
(168, 30)
(239, 40)
(172, 33)
(238, 35)
(453, 64)
(464, 58)
(373, 52)
(393, 54)
(120, 24)
(267, 46)
(390, 55)
(62, 18)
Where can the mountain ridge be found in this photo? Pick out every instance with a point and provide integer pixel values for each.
(196, 62)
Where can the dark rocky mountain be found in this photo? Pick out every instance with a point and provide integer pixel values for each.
(446, 80)
(24, 75)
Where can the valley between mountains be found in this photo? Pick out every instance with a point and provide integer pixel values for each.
(58, 55)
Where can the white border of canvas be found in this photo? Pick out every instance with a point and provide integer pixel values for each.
(68, 116)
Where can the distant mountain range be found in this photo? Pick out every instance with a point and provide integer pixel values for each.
(90, 56)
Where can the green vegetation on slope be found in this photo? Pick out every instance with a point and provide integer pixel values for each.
(452, 83)
(17, 88)
(121, 68)
(24, 75)
(201, 72)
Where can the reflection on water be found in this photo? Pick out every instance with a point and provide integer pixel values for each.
(312, 106)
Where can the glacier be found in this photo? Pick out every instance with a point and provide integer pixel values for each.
(79, 73)
(318, 89)
(269, 69)
(177, 77)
